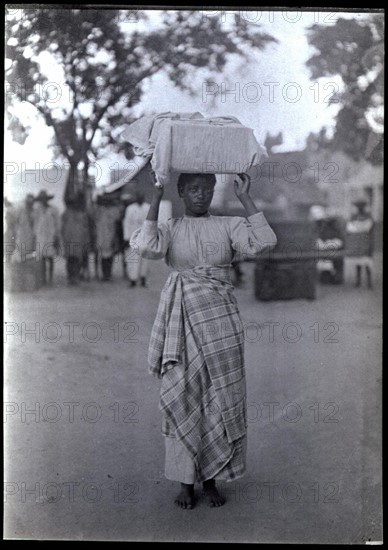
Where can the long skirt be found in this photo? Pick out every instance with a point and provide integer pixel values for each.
(179, 466)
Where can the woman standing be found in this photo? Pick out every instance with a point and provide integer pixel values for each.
(196, 345)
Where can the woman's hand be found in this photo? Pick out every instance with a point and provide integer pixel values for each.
(158, 187)
(241, 188)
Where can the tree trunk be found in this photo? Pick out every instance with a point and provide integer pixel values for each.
(78, 181)
(72, 184)
(87, 187)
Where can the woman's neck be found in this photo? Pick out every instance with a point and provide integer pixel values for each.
(190, 214)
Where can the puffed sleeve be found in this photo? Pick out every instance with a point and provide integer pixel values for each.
(151, 240)
(251, 236)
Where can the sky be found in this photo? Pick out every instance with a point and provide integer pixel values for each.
(270, 93)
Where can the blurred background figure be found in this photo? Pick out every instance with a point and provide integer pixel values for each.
(360, 242)
(107, 215)
(23, 267)
(75, 235)
(135, 214)
(47, 233)
(330, 243)
(24, 228)
(121, 244)
(90, 248)
(9, 224)
(9, 221)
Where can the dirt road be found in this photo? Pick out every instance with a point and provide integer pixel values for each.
(84, 452)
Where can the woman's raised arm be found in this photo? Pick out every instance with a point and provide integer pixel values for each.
(157, 195)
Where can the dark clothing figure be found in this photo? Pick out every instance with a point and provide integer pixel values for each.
(106, 266)
(73, 267)
(107, 217)
(122, 244)
(360, 243)
(76, 239)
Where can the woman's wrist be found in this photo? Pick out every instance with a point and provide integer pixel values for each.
(244, 196)
(247, 202)
(153, 212)
(245, 199)
(156, 198)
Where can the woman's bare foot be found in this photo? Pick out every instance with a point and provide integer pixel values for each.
(213, 496)
(185, 499)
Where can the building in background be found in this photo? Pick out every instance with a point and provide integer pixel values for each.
(287, 184)
(282, 187)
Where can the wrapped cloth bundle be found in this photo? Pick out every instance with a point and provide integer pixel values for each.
(188, 142)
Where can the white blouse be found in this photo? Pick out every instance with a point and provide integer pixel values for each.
(188, 242)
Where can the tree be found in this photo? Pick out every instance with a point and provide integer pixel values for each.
(105, 62)
(354, 50)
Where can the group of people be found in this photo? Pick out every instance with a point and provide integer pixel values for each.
(203, 390)
(203, 385)
(113, 225)
(35, 229)
(352, 240)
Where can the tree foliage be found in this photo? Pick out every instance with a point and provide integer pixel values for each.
(106, 57)
(354, 50)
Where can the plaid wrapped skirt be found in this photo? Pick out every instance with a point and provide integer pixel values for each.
(197, 348)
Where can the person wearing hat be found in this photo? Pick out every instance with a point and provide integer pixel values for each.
(360, 242)
(47, 232)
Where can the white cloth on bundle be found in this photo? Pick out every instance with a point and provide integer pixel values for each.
(193, 144)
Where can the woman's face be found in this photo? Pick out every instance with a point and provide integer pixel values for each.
(197, 195)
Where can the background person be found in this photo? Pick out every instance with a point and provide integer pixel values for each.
(24, 229)
(330, 241)
(75, 236)
(47, 233)
(135, 214)
(107, 216)
(360, 242)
